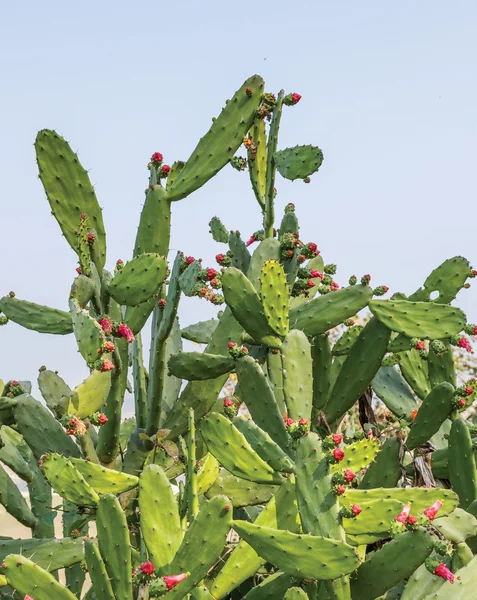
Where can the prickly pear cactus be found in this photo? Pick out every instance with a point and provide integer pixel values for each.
(339, 446)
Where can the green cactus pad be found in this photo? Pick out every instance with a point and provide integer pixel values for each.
(154, 231)
(385, 470)
(263, 445)
(41, 430)
(374, 521)
(13, 501)
(232, 450)
(418, 498)
(202, 545)
(270, 588)
(462, 470)
(297, 375)
(321, 357)
(298, 162)
(274, 293)
(201, 593)
(202, 395)
(68, 189)
(419, 319)
(103, 480)
(82, 290)
(274, 370)
(359, 369)
(317, 501)
(385, 568)
(188, 279)
(48, 554)
(295, 593)
(257, 168)
(197, 366)
(415, 371)
(26, 577)
(269, 249)
(448, 279)
(221, 142)
(260, 400)
(240, 491)
(422, 585)
(246, 307)
(160, 523)
(113, 540)
(10, 454)
(172, 385)
(88, 333)
(303, 556)
(343, 345)
(457, 527)
(42, 319)
(442, 367)
(392, 389)
(207, 474)
(52, 387)
(218, 230)
(434, 410)
(200, 333)
(88, 397)
(280, 513)
(240, 253)
(358, 455)
(67, 481)
(97, 572)
(328, 311)
(139, 279)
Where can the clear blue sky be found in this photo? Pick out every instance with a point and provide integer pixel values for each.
(389, 93)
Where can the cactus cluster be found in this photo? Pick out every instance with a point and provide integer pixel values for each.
(332, 468)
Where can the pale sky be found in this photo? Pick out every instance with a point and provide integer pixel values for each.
(389, 92)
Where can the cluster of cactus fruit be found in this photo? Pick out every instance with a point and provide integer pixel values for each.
(350, 476)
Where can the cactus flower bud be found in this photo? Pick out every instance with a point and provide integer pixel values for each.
(316, 274)
(3, 319)
(109, 347)
(365, 279)
(220, 258)
(337, 438)
(189, 260)
(231, 345)
(291, 99)
(90, 238)
(461, 403)
(469, 390)
(432, 510)
(156, 157)
(27, 597)
(79, 271)
(228, 402)
(172, 580)
(106, 325)
(411, 520)
(442, 571)
(289, 422)
(290, 207)
(102, 419)
(249, 92)
(380, 290)
(211, 274)
(353, 279)
(404, 514)
(349, 475)
(413, 414)
(165, 170)
(356, 509)
(334, 286)
(147, 567)
(340, 490)
(310, 283)
(418, 344)
(338, 454)
(124, 331)
(107, 365)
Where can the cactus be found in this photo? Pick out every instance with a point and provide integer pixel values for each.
(310, 491)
